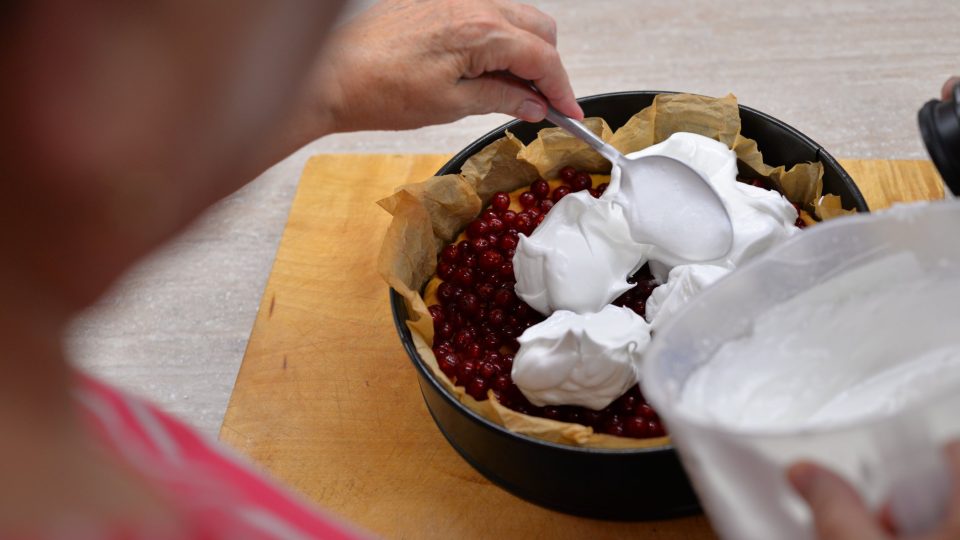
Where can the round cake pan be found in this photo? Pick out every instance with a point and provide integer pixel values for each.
(635, 484)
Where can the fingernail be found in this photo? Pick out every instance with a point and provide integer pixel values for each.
(580, 116)
(531, 111)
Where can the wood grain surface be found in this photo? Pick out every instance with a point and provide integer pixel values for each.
(327, 401)
(888, 182)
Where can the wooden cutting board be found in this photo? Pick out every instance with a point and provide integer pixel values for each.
(327, 401)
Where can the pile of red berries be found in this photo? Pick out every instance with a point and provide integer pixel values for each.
(479, 317)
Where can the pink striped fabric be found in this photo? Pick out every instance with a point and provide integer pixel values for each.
(214, 493)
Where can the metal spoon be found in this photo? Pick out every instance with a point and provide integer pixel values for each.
(670, 204)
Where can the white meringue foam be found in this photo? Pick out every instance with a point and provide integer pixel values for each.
(579, 258)
(816, 359)
(683, 283)
(581, 359)
(760, 218)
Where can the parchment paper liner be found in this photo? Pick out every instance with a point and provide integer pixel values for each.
(429, 214)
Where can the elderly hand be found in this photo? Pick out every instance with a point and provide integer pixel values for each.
(840, 514)
(407, 63)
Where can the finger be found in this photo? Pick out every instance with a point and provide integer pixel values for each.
(529, 57)
(952, 524)
(885, 517)
(490, 93)
(531, 19)
(838, 512)
(947, 91)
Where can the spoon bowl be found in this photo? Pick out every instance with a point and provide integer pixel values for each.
(671, 205)
(674, 208)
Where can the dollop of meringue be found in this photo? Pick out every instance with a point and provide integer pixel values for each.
(577, 261)
(581, 359)
(761, 219)
(683, 283)
(579, 258)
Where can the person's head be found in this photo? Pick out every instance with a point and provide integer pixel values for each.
(121, 121)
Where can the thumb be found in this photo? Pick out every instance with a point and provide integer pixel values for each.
(491, 93)
(947, 90)
(838, 511)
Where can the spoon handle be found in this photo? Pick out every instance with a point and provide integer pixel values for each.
(582, 132)
(571, 126)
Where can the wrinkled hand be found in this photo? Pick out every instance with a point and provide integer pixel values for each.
(840, 514)
(407, 63)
